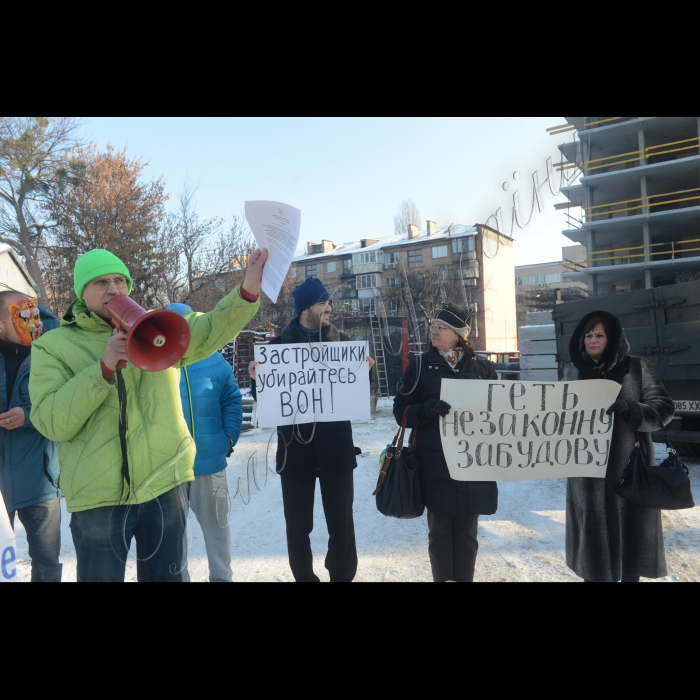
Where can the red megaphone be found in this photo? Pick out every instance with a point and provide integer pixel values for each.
(156, 340)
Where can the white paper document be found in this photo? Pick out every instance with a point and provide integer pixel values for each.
(518, 431)
(302, 383)
(8, 553)
(276, 227)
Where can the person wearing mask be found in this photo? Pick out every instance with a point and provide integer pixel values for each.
(124, 446)
(323, 451)
(28, 461)
(453, 507)
(610, 539)
(213, 408)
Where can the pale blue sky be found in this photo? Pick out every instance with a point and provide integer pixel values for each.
(349, 175)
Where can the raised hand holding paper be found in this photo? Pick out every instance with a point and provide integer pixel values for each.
(519, 431)
(276, 226)
(8, 553)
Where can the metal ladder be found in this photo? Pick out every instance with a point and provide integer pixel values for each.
(378, 344)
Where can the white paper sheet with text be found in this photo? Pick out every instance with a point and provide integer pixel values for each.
(8, 553)
(276, 226)
(519, 431)
(301, 383)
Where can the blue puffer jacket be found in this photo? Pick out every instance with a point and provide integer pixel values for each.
(214, 398)
(28, 461)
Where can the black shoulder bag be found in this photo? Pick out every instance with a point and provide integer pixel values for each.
(665, 486)
(399, 493)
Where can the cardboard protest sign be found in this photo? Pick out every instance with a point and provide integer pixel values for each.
(520, 431)
(301, 383)
(8, 553)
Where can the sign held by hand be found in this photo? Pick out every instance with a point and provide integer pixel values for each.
(301, 383)
(521, 431)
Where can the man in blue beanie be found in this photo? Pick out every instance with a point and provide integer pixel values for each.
(213, 408)
(324, 451)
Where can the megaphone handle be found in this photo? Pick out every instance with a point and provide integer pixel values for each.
(122, 363)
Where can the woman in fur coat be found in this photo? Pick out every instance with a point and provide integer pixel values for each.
(609, 539)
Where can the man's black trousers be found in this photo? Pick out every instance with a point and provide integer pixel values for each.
(337, 493)
(453, 546)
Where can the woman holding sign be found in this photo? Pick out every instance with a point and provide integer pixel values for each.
(453, 507)
(609, 539)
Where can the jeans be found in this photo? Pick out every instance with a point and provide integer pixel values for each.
(102, 538)
(453, 547)
(208, 497)
(42, 523)
(337, 493)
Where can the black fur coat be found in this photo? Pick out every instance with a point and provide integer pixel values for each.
(606, 536)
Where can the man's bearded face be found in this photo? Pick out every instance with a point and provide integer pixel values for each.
(25, 318)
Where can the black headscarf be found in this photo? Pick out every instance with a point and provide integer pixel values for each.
(614, 364)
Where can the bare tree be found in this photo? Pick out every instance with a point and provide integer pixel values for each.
(32, 152)
(200, 260)
(408, 214)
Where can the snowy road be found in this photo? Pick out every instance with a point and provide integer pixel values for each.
(523, 542)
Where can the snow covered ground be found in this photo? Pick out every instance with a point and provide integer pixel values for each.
(524, 541)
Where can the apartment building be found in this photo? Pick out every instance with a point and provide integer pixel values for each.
(470, 265)
(539, 287)
(640, 197)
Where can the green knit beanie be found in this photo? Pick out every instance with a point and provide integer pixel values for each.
(95, 264)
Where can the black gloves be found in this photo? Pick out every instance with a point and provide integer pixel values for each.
(621, 410)
(433, 408)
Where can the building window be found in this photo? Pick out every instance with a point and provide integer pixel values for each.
(439, 251)
(369, 306)
(364, 258)
(392, 282)
(293, 271)
(469, 270)
(471, 282)
(439, 276)
(329, 267)
(391, 260)
(463, 245)
(367, 281)
(553, 279)
(311, 270)
(522, 281)
(537, 279)
(415, 258)
(393, 309)
(347, 264)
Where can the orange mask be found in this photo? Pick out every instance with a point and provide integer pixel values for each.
(25, 318)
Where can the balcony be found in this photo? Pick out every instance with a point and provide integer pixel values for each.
(468, 271)
(347, 272)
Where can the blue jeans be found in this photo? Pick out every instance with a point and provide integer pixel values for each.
(102, 538)
(42, 523)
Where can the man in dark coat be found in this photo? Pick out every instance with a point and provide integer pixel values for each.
(609, 539)
(323, 451)
(28, 461)
(453, 506)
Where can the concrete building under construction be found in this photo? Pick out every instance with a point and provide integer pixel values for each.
(640, 200)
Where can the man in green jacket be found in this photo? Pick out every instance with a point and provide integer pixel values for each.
(124, 446)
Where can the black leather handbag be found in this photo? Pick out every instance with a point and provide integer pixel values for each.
(399, 493)
(665, 486)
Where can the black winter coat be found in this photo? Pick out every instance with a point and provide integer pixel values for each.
(442, 494)
(332, 450)
(606, 536)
